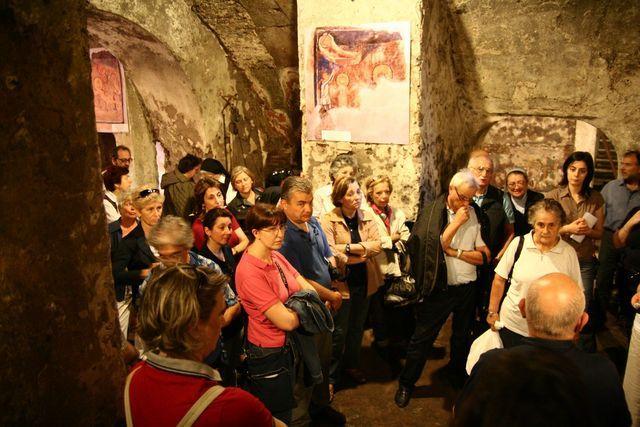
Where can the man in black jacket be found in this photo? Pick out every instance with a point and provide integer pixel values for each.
(445, 247)
(554, 309)
(496, 220)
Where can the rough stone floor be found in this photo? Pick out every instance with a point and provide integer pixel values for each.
(372, 404)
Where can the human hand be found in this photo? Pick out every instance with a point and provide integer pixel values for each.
(492, 318)
(583, 227)
(574, 227)
(335, 301)
(634, 220)
(462, 215)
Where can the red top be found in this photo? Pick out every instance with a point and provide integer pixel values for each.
(260, 286)
(161, 394)
(199, 238)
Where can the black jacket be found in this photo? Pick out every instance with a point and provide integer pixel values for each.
(493, 220)
(428, 267)
(132, 256)
(314, 318)
(521, 226)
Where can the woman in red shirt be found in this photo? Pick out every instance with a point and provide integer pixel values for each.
(264, 281)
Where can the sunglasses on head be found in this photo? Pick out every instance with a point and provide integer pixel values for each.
(148, 192)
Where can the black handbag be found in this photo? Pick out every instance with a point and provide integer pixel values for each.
(401, 290)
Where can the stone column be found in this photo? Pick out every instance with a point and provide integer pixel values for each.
(59, 343)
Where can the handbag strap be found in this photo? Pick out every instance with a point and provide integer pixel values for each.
(515, 259)
(127, 401)
(282, 276)
(201, 404)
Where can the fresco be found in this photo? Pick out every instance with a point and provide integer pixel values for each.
(358, 83)
(107, 88)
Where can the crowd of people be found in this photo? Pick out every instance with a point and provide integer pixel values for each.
(250, 304)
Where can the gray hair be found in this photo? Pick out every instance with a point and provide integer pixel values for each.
(463, 176)
(125, 197)
(548, 205)
(481, 154)
(171, 230)
(295, 183)
(341, 161)
(558, 320)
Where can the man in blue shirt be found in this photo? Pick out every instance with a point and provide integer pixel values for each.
(306, 248)
(620, 197)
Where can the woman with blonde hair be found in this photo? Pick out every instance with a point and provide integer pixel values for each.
(134, 259)
(355, 242)
(242, 180)
(394, 233)
(179, 323)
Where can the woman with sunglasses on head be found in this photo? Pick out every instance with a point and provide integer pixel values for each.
(581, 204)
(208, 195)
(133, 259)
(264, 281)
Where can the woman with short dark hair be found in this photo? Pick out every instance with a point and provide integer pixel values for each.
(265, 280)
(116, 180)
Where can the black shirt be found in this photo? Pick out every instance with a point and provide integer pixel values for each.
(356, 273)
(632, 247)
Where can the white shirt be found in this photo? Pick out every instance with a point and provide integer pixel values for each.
(532, 264)
(112, 212)
(467, 238)
(387, 259)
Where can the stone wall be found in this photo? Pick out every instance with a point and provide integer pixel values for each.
(401, 162)
(59, 340)
(181, 71)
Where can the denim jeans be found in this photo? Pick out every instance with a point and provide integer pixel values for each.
(348, 330)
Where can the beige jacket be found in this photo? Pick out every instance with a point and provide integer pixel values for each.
(338, 236)
(388, 259)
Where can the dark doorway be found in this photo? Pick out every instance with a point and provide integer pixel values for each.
(107, 143)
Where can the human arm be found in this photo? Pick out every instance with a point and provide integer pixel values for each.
(229, 314)
(621, 235)
(497, 291)
(510, 232)
(334, 298)
(338, 250)
(283, 317)
(461, 216)
(472, 257)
(244, 241)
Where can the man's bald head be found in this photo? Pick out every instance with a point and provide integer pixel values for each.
(554, 307)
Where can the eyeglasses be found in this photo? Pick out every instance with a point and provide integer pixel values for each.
(275, 229)
(148, 192)
(129, 160)
(461, 197)
(482, 169)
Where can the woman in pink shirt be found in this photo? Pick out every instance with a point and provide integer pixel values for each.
(264, 281)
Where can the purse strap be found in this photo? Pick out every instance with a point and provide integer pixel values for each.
(515, 259)
(127, 401)
(282, 276)
(199, 407)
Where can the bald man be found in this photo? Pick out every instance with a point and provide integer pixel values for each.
(496, 220)
(554, 309)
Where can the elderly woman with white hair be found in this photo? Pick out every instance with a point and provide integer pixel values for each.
(344, 164)
(528, 258)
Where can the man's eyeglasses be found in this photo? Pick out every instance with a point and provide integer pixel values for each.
(127, 161)
(482, 169)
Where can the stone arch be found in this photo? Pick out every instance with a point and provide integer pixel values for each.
(540, 146)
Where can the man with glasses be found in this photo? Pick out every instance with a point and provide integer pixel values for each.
(445, 247)
(496, 220)
(121, 156)
(306, 248)
(620, 197)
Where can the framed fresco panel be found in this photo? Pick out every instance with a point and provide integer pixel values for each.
(357, 83)
(109, 95)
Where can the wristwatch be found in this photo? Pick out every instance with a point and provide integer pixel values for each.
(459, 253)
(347, 248)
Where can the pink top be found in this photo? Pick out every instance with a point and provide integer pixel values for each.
(260, 286)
